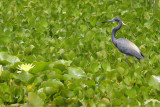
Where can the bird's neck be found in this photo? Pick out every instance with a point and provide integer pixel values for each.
(114, 39)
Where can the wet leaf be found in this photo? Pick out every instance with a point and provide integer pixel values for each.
(155, 81)
(75, 72)
(5, 58)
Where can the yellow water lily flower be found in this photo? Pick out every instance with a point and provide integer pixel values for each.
(25, 67)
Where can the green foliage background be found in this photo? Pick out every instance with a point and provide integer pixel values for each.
(76, 63)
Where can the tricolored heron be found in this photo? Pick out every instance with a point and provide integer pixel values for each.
(125, 46)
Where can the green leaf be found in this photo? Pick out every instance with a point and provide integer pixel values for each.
(39, 67)
(67, 93)
(90, 93)
(41, 93)
(34, 100)
(64, 62)
(5, 75)
(60, 64)
(94, 67)
(75, 72)
(50, 90)
(155, 82)
(83, 27)
(23, 76)
(5, 58)
(132, 93)
(59, 101)
(52, 83)
(4, 87)
(106, 66)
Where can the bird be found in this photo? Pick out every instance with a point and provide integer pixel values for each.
(124, 46)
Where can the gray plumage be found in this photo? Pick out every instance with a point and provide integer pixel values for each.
(125, 46)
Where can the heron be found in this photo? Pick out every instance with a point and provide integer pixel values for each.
(124, 46)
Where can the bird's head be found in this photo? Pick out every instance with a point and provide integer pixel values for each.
(114, 20)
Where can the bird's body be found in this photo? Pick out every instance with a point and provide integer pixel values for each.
(125, 46)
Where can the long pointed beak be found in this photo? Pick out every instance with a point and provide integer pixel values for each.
(108, 21)
(123, 23)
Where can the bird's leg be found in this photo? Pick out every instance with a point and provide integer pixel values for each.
(134, 60)
(126, 59)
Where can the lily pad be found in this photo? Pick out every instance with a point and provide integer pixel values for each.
(74, 72)
(5, 58)
(34, 100)
(23, 76)
(155, 82)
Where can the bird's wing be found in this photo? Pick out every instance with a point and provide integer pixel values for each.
(127, 47)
